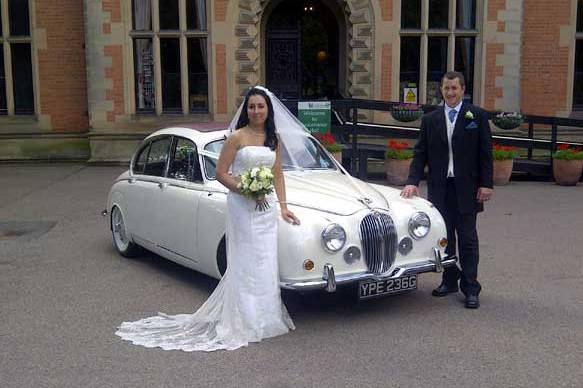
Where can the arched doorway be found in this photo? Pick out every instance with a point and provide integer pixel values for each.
(303, 47)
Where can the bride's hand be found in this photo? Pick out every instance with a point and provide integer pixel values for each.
(290, 217)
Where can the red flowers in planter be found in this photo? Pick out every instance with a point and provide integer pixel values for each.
(500, 152)
(328, 142)
(398, 150)
(565, 152)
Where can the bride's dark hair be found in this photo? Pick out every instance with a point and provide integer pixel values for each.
(269, 127)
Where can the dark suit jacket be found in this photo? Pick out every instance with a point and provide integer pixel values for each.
(472, 157)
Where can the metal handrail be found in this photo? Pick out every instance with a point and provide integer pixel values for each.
(347, 123)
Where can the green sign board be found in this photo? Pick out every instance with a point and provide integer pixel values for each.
(315, 115)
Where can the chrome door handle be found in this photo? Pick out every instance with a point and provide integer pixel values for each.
(163, 185)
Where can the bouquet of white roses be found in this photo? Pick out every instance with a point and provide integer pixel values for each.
(256, 183)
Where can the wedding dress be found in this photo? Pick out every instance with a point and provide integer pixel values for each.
(246, 305)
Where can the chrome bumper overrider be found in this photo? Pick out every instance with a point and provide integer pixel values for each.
(329, 280)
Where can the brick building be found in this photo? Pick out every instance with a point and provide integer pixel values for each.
(87, 79)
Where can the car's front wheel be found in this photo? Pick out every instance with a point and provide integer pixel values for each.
(121, 239)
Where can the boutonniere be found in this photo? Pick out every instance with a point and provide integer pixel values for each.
(469, 115)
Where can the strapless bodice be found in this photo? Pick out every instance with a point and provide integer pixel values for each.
(252, 156)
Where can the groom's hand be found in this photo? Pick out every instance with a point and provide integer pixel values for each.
(484, 194)
(409, 191)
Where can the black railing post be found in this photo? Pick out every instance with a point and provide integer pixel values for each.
(354, 137)
(553, 143)
(530, 137)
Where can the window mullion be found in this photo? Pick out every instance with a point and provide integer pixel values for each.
(451, 36)
(5, 27)
(183, 57)
(7, 59)
(423, 55)
(184, 74)
(8, 78)
(157, 61)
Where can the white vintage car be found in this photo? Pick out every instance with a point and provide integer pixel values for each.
(351, 232)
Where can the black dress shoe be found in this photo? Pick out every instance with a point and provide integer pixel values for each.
(472, 301)
(444, 289)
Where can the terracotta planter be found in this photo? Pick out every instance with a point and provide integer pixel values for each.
(397, 171)
(567, 172)
(502, 171)
(337, 156)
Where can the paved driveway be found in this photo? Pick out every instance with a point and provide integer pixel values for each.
(62, 294)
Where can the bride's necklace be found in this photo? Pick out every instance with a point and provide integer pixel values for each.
(256, 133)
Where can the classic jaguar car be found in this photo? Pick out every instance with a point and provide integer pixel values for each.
(351, 232)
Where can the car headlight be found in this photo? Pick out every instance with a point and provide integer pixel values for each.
(333, 237)
(419, 225)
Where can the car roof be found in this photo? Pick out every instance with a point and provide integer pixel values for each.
(199, 133)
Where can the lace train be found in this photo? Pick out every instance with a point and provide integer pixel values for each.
(246, 305)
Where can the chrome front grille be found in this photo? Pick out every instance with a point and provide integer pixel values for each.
(379, 241)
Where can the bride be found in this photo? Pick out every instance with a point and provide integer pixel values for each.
(246, 305)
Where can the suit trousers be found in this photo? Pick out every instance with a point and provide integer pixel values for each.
(462, 226)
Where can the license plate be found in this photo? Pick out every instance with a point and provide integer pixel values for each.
(371, 288)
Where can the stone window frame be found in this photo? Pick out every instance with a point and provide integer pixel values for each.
(155, 34)
(578, 36)
(451, 33)
(6, 41)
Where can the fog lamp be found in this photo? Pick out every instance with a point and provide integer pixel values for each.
(352, 254)
(405, 245)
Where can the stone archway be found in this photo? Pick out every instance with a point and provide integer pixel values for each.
(359, 45)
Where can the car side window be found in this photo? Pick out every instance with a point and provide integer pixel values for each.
(184, 163)
(140, 161)
(210, 164)
(156, 163)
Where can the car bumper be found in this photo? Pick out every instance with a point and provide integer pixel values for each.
(329, 280)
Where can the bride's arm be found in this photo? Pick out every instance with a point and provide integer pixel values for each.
(224, 163)
(279, 183)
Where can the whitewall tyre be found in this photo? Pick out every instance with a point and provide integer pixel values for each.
(121, 238)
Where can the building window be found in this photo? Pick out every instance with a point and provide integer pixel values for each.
(578, 79)
(436, 36)
(170, 56)
(16, 80)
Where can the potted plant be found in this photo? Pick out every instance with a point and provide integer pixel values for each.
(508, 120)
(406, 112)
(329, 143)
(567, 165)
(503, 162)
(397, 162)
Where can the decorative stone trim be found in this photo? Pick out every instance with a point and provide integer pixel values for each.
(221, 10)
(503, 55)
(360, 46)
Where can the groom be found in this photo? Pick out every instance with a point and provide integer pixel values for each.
(455, 143)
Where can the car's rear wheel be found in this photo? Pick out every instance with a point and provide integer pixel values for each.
(121, 239)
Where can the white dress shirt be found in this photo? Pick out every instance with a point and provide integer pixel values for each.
(450, 127)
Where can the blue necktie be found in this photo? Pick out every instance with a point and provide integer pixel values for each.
(451, 115)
